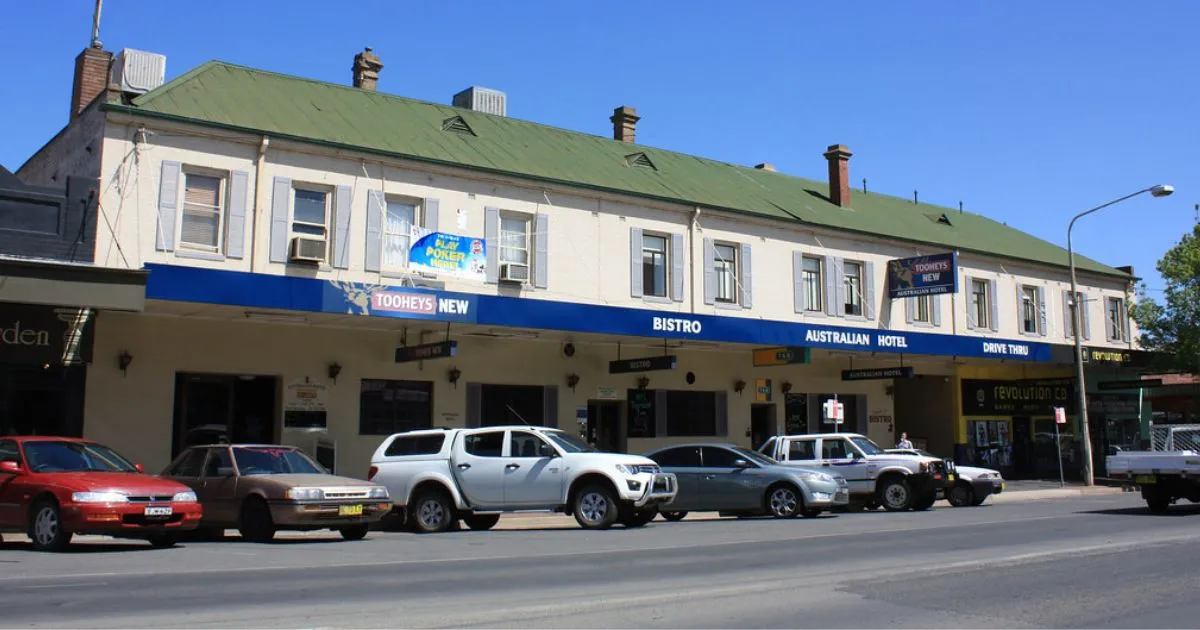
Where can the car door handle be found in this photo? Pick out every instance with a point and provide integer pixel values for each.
(710, 477)
(512, 466)
(463, 466)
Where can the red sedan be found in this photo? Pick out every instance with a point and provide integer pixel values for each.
(52, 488)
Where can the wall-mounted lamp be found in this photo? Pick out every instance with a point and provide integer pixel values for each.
(643, 382)
(785, 386)
(572, 381)
(123, 361)
(889, 391)
(569, 349)
(739, 386)
(453, 376)
(334, 369)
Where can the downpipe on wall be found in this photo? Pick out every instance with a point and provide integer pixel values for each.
(258, 201)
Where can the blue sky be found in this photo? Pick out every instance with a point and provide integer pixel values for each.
(1025, 111)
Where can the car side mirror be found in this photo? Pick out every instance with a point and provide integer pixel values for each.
(12, 468)
(856, 455)
(140, 468)
(741, 463)
(225, 471)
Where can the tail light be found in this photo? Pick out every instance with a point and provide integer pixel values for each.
(374, 470)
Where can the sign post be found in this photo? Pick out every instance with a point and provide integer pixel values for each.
(1060, 417)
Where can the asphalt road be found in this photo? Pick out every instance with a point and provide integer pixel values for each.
(1098, 562)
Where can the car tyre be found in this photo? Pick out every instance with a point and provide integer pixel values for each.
(1156, 500)
(638, 518)
(896, 495)
(925, 502)
(481, 522)
(46, 527)
(595, 507)
(674, 516)
(961, 495)
(255, 523)
(354, 532)
(162, 541)
(432, 512)
(811, 513)
(784, 501)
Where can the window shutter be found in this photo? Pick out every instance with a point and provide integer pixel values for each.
(280, 196)
(972, 314)
(1020, 310)
(541, 250)
(993, 303)
(474, 405)
(660, 413)
(839, 265)
(235, 232)
(1043, 320)
(491, 239)
(1084, 309)
(1125, 328)
(168, 205)
(799, 294)
(935, 302)
(342, 209)
(677, 269)
(635, 262)
(747, 271)
(722, 414)
(550, 406)
(373, 248)
(910, 305)
(1068, 325)
(868, 289)
(831, 283)
(710, 273)
(432, 214)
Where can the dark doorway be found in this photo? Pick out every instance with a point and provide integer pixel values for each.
(1024, 455)
(762, 424)
(604, 426)
(512, 404)
(215, 408)
(42, 401)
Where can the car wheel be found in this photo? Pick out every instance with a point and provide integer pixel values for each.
(354, 532)
(162, 541)
(255, 523)
(432, 512)
(1157, 500)
(783, 501)
(895, 494)
(811, 513)
(481, 522)
(46, 527)
(961, 495)
(595, 507)
(925, 502)
(638, 518)
(674, 516)
(978, 501)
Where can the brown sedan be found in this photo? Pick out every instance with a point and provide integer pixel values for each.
(262, 489)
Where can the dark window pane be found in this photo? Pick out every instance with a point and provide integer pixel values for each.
(642, 410)
(511, 404)
(719, 457)
(802, 450)
(192, 464)
(490, 444)
(416, 445)
(387, 407)
(682, 457)
(691, 413)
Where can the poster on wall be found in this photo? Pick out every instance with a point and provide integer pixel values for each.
(304, 405)
(448, 254)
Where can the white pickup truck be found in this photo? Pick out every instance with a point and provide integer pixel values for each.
(1163, 476)
(876, 477)
(437, 477)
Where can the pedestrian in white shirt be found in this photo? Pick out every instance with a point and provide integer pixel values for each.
(904, 441)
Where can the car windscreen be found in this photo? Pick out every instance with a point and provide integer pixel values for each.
(867, 446)
(756, 457)
(53, 456)
(568, 442)
(273, 461)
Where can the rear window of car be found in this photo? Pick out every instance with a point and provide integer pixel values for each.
(416, 445)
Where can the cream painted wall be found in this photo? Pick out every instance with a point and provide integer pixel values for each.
(589, 234)
(134, 412)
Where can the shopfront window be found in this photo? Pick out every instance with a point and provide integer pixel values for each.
(642, 413)
(691, 413)
(387, 407)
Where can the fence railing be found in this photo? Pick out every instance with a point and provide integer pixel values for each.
(1175, 437)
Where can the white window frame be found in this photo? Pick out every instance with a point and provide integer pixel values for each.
(528, 219)
(854, 294)
(1029, 302)
(813, 305)
(923, 310)
(666, 261)
(1115, 330)
(720, 266)
(418, 213)
(983, 310)
(222, 208)
(325, 228)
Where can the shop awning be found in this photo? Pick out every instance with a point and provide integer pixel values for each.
(52, 283)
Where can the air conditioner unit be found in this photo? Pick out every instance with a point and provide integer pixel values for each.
(138, 71)
(514, 272)
(307, 249)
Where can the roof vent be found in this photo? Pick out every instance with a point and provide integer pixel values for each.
(640, 159)
(138, 72)
(940, 219)
(765, 166)
(456, 124)
(482, 99)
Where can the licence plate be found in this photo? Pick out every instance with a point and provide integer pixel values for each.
(158, 511)
(1145, 479)
(949, 477)
(350, 510)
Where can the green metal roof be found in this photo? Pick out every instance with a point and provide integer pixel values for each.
(236, 97)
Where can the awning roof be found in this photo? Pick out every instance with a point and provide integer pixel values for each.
(55, 283)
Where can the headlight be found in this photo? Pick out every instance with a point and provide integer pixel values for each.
(305, 494)
(379, 493)
(99, 497)
(184, 497)
(631, 469)
(815, 476)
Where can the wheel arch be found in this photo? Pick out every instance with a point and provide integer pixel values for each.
(584, 480)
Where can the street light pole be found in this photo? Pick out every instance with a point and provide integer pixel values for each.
(1161, 190)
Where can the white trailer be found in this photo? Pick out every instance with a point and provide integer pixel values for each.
(1163, 476)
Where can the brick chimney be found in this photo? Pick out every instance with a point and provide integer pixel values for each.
(366, 69)
(839, 174)
(91, 77)
(624, 120)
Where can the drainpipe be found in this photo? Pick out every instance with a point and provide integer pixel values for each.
(695, 223)
(258, 200)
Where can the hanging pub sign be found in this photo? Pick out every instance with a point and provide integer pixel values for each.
(787, 355)
(923, 275)
(647, 364)
(422, 352)
(877, 374)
